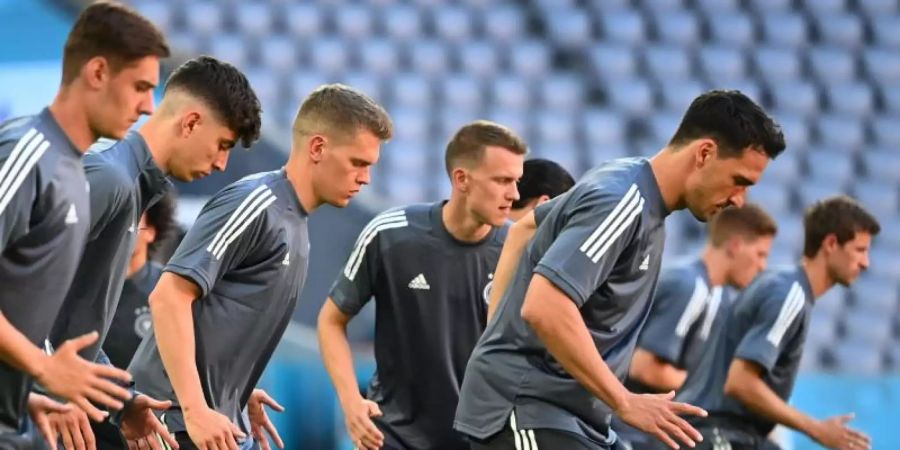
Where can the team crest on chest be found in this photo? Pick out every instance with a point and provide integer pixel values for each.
(487, 288)
(143, 322)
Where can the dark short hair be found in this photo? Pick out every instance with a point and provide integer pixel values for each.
(469, 143)
(336, 108)
(161, 216)
(750, 221)
(841, 216)
(734, 121)
(113, 31)
(225, 90)
(542, 177)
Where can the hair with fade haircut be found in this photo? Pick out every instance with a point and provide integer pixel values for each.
(335, 109)
(161, 216)
(224, 89)
(734, 121)
(113, 31)
(841, 216)
(542, 177)
(468, 144)
(750, 222)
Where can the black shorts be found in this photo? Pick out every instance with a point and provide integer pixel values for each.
(726, 435)
(513, 438)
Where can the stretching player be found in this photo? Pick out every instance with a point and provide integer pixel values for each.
(549, 367)
(542, 180)
(746, 375)
(207, 107)
(687, 298)
(228, 293)
(429, 268)
(110, 67)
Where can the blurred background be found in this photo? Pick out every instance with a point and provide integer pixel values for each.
(583, 81)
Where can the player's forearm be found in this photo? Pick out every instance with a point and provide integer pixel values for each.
(338, 358)
(655, 372)
(19, 352)
(752, 392)
(559, 325)
(520, 233)
(173, 325)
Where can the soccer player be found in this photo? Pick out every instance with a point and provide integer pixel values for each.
(207, 107)
(746, 375)
(549, 368)
(429, 269)
(227, 294)
(110, 67)
(542, 180)
(687, 298)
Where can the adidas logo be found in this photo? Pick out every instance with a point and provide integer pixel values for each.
(72, 215)
(131, 228)
(646, 264)
(287, 259)
(419, 282)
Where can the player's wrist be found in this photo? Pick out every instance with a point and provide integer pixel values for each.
(37, 365)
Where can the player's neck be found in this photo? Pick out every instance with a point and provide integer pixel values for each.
(68, 109)
(817, 272)
(716, 263)
(460, 223)
(300, 177)
(152, 132)
(670, 170)
(137, 261)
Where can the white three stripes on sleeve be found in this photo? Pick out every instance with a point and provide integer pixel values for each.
(694, 308)
(240, 219)
(614, 225)
(792, 305)
(24, 156)
(386, 221)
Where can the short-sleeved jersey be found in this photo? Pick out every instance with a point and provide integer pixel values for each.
(679, 324)
(44, 219)
(124, 181)
(601, 244)
(248, 253)
(132, 321)
(430, 294)
(766, 324)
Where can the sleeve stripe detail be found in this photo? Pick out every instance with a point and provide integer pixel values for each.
(240, 219)
(789, 310)
(396, 219)
(715, 299)
(694, 308)
(596, 245)
(24, 156)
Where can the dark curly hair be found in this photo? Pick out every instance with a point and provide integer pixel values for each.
(224, 89)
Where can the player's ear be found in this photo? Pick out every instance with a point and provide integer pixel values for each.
(542, 199)
(460, 179)
(316, 147)
(189, 123)
(151, 233)
(96, 72)
(830, 243)
(705, 151)
(733, 246)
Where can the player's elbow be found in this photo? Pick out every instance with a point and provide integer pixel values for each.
(532, 314)
(737, 386)
(331, 317)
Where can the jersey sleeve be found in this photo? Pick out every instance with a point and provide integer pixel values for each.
(775, 319)
(354, 285)
(541, 211)
(678, 303)
(228, 228)
(110, 198)
(18, 189)
(594, 232)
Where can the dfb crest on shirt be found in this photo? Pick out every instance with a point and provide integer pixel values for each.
(143, 322)
(487, 289)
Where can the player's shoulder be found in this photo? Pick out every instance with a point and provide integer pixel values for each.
(13, 130)
(772, 286)
(611, 182)
(252, 193)
(685, 274)
(402, 221)
(104, 165)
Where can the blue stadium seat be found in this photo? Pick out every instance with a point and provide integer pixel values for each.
(812, 190)
(717, 5)
(748, 86)
(415, 127)
(886, 131)
(230, 47)
(868, 326)
(479, 58)
(831, 165)
(303, 20)
(890, 229)
(882, 64)
(354, 21)
(267, 87)
(875, 295)
(187, 42)
(721, 63)
(160, 12)
(554, 126)
(831, 64)
(795, 96)
(853, 98)
(824, 6)
(623, 26)
(679, 28)
(204, 17)
(661, 5)
(302, 83)
(876, 8)
(633, 97)
(832, 303)
(882, 164)
(822, 329)
(885, 31)
(777, 64)
(514, 119)
(452, 23)
(562, 92)
(883, 262)
(612, 61)
(564, 153)
(510, 91)
(530, 58)
(504, 23)
(254, 18)
(842, 29)
(410, 90)
(366, 82)
(771, 194)
(278, 53)
(858, 358)
(329, 54)
(603, 128)
(463, 92)
(677, 95)
(770, 6)
(877, 196)
(379, 56)
(667, 62)
(788, 29)
(731, 29)
(410, 188)
(796, 130)
(402, 22)
(784, 170)
(450, 120)
(429, 57)
(843, 132)
(569, 28)
(890, 97)
(660, 128)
